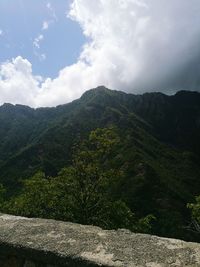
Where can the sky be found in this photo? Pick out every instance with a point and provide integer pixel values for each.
(51, 52)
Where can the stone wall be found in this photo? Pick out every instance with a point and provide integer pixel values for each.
(28, 242)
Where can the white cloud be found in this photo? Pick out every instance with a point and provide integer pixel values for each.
(1, 32)
(17, 83)
(37, 41)
(138, 45)
(52, 15)
(36, 47)
(49, 6)
(45, 25)
(43, 56)
(40, 56)
(134, 45)
(52, 11)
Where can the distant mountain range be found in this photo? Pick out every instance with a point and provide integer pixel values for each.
(160, 135)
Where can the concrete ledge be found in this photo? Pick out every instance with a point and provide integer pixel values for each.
(28, 242)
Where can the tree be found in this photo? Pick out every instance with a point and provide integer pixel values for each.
(81, 192)
(195, 209)
(41, 197)
(85, 192)
(91, 179)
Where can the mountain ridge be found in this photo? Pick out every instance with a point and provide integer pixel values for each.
(155, 109)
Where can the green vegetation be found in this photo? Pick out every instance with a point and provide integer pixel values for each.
(195, 209)
(84, 192)
(108, 159)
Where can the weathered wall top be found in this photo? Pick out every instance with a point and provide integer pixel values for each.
(38, 242)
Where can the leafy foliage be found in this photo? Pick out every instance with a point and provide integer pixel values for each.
(194, 225)
(195, 208)
(82, 192)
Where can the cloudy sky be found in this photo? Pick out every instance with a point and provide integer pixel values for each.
(52, 51)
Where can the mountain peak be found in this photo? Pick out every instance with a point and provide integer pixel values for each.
(95, 90)
(6, 105)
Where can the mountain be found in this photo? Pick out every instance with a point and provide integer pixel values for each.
(160, 146)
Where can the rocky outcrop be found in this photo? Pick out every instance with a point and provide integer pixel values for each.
(28, 242)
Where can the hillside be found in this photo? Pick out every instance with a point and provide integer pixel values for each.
(159, 150)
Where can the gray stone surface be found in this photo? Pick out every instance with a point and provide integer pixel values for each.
(55, 243)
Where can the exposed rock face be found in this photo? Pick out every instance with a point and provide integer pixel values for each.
(47, 243)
